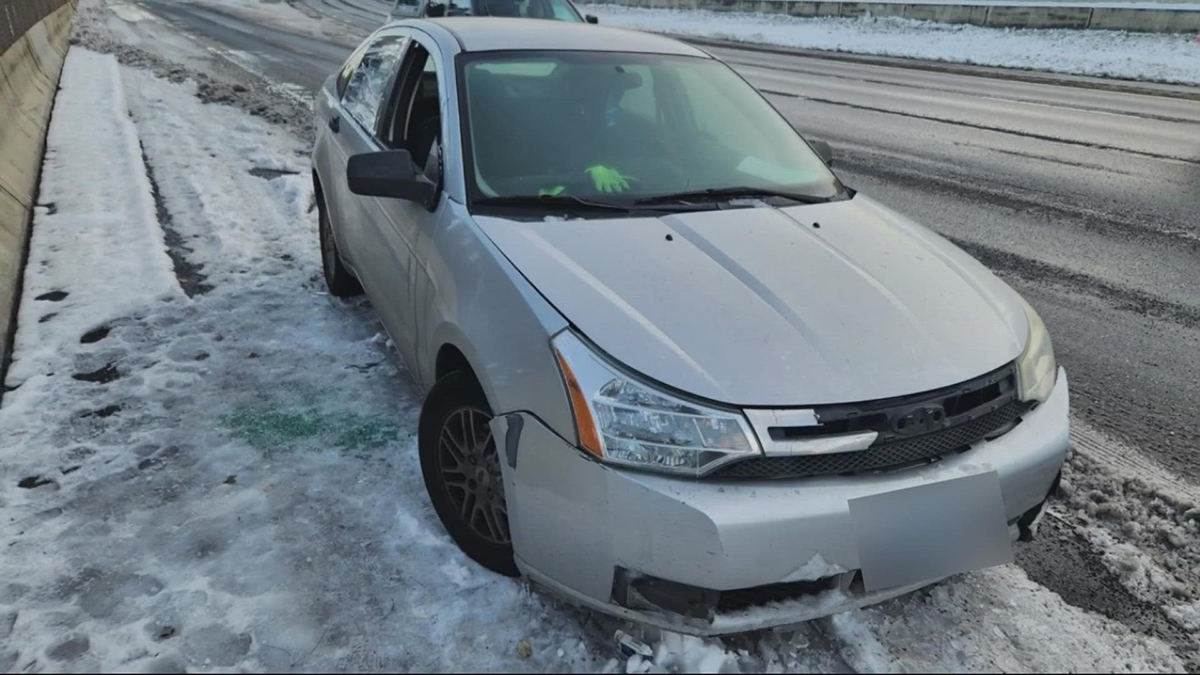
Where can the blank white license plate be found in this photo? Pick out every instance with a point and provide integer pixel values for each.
(929, 532)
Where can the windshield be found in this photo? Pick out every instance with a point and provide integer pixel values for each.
(625, 127)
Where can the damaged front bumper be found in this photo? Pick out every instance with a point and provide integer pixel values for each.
(715, 557)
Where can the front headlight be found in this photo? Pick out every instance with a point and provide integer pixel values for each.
(622, 421)
(1036, 368)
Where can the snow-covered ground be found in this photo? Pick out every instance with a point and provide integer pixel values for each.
(227, 480)
(1143, 522)
(1134, 56)
(208, 463)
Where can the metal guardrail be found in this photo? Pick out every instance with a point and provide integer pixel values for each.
(18, 16)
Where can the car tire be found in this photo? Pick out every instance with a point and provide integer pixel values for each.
(462, 471)
(340, 282)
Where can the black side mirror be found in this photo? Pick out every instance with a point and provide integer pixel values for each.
(435, 9)
(592, 18)
(388, 174)
(823, 151)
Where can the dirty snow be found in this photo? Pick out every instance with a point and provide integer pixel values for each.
(1144, 524)
(153, 44)
(1135, 56)
(995, 620)
(241, 491)
(245, 494)
(1186, 615)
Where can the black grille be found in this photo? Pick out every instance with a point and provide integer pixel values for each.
(732, 601)
(888, 455)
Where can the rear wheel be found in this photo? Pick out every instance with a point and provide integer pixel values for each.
(338, 279)
(462, 471)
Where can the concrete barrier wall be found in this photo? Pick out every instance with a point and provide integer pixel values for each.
(33, 45)
(1148, 18)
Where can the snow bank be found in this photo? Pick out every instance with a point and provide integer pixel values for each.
(96, 201)
(1144, 523)
(1134, 56)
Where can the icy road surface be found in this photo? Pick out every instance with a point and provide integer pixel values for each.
(207, 463)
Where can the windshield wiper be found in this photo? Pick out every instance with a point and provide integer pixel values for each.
(550, 201)
(731, 192)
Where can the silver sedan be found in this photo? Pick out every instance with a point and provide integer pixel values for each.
(675, 369)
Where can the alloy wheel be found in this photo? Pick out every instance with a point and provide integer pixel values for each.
(471, 475)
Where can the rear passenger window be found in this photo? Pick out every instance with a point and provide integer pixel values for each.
(365, 88)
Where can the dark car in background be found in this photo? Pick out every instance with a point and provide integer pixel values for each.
(554, 10)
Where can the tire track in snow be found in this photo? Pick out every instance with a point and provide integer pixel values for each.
(191, 280)
(1131, 462)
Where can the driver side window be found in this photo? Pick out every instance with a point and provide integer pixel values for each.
(364, 89)
(415, 121)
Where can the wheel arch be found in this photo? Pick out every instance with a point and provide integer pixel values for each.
(450, 359)
(455, 352)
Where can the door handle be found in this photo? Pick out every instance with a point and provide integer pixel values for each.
(335, 123)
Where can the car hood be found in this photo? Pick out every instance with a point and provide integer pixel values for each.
(824, 303)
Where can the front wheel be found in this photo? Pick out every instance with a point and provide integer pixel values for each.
(462, 471)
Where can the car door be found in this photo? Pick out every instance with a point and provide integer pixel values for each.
(368, 76)
(412, 121)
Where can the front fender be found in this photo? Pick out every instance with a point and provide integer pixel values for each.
(476, 301)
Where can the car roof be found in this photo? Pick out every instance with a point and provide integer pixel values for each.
(483, 34)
